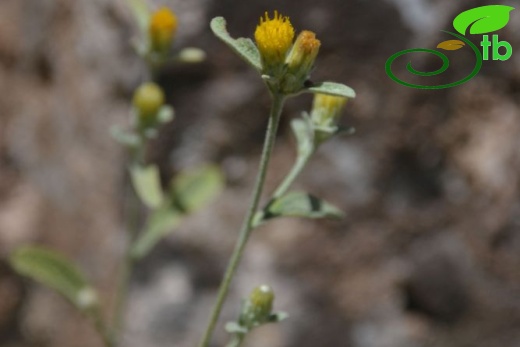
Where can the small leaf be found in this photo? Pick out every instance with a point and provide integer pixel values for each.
(141, 13)
(191, 55)
(278, 317)
(451, 45)
(304, 133)
(245, 48)
(194, 188)
(125, 138)
(147, 184)
(55, 271)
(332, 88)
(161, 223)
(483, 19)
(165, 114)
(235, 328)
(300, 204)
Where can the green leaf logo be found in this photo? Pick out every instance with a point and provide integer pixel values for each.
(482, 20)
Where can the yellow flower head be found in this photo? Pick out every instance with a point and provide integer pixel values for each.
(274, 38)
(163, 25)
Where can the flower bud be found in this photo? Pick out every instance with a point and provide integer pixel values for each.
(147, 100)
(301, 58)
(326, 109)
(262, 298)
(163, 25)
(258, 307)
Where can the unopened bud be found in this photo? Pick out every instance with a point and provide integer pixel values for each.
(262, 298)
(162, 29)
(301, 58)
(326, 109)
(258, 307)
(147, 100)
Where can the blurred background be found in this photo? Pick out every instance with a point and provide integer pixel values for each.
(429, 254)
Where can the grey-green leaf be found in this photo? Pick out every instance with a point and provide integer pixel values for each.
(147, 184)
(483, 19)
(165, 114)
(332, 88)
(235, 328)
(125, 138)
(304, 133)
(194, 188)
(160, 223)
(244, 47)
(55, 271)
(278, 317)
(301, 204)
(141, 13)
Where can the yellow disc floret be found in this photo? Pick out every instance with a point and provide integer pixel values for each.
(274, 38)
(163, 25)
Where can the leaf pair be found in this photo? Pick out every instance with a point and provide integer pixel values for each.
(188, 192)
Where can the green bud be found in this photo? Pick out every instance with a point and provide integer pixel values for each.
(147, 100)
(262, 298)
(326, 110)
(258, 307)
(300, 60)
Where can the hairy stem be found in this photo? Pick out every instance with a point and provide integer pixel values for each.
(236, 341)
(297, 168)
(247, 227)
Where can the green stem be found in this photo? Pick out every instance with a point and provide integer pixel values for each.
(236, 341)
(101, 328)
(127, 266)
(122, 296)
(297, 168)
(245, 232)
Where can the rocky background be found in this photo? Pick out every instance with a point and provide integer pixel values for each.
(429, 254)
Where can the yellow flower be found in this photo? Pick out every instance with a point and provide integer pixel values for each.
(274, 38)
(326, 109)
(163, 25)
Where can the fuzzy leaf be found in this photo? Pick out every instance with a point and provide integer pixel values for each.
(451, 45)
(278, 317)
(55, 271)
(147, 184)
(125, 138)
(161, 223)
(304, 133)
(483, 19)
(141, 13)
(245, 48)
(194, 188)
(165, 114)
(235, 328)
(332, 88)
(301, 204)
